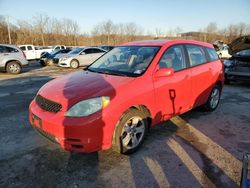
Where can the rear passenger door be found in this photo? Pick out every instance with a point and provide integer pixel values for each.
(201, 74)
(173, 93)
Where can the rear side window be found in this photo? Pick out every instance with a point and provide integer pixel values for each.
(10, 50)
(196, 55)
(174, 58)
(212, 54)
(29, 48)
(6, 49)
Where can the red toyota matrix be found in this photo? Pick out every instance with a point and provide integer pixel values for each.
(125, 92)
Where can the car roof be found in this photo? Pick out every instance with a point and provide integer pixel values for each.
(164, 42)
(9, 45)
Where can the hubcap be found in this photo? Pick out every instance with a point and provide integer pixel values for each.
(215, 96)
(14, 68)
(74, 64)
(133, 132)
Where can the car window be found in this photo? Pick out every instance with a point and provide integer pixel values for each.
(10, 50)
(29, 47)
(88, 51)
(196, 55)
(57, 48)
(6, 49)
(212, 54)
(95, 50)
(76, 51)
(1, 49)
(174, 58)
(23, 48)
(244, 53)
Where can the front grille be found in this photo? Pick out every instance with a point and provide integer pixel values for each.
(45, 134)
(47, 105)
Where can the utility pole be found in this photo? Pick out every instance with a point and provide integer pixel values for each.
(8, 25)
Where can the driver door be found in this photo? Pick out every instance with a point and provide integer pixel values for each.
(173, 93)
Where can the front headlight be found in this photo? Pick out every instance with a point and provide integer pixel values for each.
(64, 58)
(88, 107)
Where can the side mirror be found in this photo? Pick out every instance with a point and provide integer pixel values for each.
(164, 72)
(82, 53)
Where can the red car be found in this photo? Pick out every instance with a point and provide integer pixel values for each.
(125, 92)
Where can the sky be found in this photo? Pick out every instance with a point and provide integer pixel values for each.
(190, 15)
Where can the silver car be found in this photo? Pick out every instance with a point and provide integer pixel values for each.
(81, 57)
(12, 59)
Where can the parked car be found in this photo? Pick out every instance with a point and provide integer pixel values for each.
(51, 58)
(12, 59)
(238, 66)
(223, 52)
(128, 90)
(33, 52)
(81, 57)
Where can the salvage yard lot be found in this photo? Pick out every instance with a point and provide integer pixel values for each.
(197, 149)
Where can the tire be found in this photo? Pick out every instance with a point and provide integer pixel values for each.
(128, 137)
(74, 64)
(213, 99)
(50, 62)
(42, 63)
(13, 67)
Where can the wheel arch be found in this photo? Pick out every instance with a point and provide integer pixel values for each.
(12, 60)
(139, 107)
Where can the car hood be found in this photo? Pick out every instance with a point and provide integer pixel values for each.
(68, 55)
(239, 44)
(82, 85)
(58, 56)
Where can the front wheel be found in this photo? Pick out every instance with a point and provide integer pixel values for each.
(214, 99)
(74, 64)
(130, 131)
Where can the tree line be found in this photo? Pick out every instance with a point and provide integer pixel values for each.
(44, 31)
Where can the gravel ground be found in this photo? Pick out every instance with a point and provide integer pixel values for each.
(197, 149)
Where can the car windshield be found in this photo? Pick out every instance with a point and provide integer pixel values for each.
(244, 53)
(125, 61)
(76, 51)
(55, 52)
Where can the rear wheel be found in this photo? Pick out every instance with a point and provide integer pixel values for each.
(13, 67)
(130, 131)
(214, 99)
(74, 64)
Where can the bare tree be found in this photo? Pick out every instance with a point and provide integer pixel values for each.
(40, 23)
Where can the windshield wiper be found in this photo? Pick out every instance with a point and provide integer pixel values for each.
(114, 73)
(106, 72)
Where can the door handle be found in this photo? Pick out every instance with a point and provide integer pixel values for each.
(5, 54)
